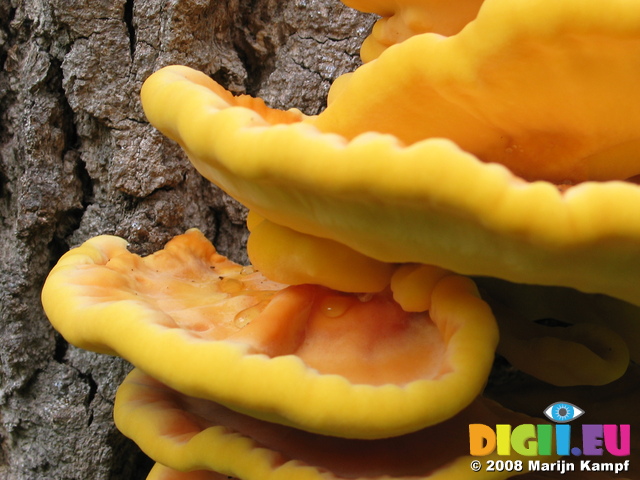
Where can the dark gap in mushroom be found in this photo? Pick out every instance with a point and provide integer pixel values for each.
(230, 238)
(504, 375)
(635, 179)
(563, 187)
(552, 322)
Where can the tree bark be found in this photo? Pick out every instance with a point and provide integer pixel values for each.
(77, 159)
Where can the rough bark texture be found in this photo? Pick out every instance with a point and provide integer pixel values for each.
(77, 159)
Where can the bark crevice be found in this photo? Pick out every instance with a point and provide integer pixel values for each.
(77, 159)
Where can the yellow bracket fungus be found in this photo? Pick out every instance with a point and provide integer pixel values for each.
(406, 18)
(305, 356)
(429, 202)
(497, 139)
(546, 88)
(308, 259)
(563, 336)
(187, 433)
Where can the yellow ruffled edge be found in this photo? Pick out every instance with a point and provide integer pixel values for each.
(549, 78)
(599, 336)
(428, 203)
(145, 420)
(281, 389)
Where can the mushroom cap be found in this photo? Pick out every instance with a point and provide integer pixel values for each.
(340, 364)
(406, 18)
(187, 433)
(429, 202)
(546, 88)
(562, 336)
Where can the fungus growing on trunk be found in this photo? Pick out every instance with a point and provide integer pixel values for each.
(405, 18)
(306, 356)
(503, 143)
(439, 205)
(187, 433)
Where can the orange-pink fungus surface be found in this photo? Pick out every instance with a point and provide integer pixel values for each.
(187, 433)
(211, 328)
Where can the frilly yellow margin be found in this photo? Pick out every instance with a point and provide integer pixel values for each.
(98, 298)
(546, 88)
(436, 204)
(189, 434)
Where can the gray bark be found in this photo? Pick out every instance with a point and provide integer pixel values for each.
(77, 159)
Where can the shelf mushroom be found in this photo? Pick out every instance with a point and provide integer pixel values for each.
(562, 336)
(190, 434)
(306, 356)
(506, 149)
(504, 145)
(405, 18)
(335, 176)
(547, 89)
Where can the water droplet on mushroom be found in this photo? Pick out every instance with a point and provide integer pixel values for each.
(335, 305)
(246, 316)
(230, 285)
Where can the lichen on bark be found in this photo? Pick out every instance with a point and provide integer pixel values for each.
(78, 159)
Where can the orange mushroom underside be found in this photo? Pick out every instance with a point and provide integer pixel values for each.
(162, 420)
(367, 338)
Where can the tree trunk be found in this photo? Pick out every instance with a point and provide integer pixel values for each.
(77, 159)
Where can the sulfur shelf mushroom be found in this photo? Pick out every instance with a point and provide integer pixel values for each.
(406, 18)
(305, 356)
(187, 433)
(546, 88)
(429, 202)
(562, 336)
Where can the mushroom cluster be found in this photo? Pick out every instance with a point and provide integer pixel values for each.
(471, 187)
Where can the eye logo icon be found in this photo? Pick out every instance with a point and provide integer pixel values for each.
(563, 412)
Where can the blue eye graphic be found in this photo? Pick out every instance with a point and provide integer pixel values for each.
(563, 412)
